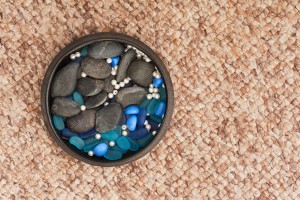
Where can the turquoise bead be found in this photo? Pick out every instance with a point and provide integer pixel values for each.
(100, 149)
(134, 146)
(115, 61)
(156, 118)
(110, 135)
(117, 148)
(142, 117)
(131, 122)
(67, 133)
(132, 110)
(144, 141)
(152, 106)
(77, 142)
(119, 130)
(91, 143)
(157, 82)
(162, 94)
(160, 109)
(123, 143)
(113, 155)
(84, 51)
(58, 122)
(145, 103)
(138, 134)
(77, 97)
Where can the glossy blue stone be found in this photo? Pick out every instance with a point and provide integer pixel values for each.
(144, 141)
(138, 134)
(142, 117)
(100, 149)
(132, 110)
(131, 122)
(87, 134)
(115, 61)
(134, 146)
(153, 124)
(110, 135)
(58, 122)
(67, 133)
(77, 97)
(77, 142)
(157, 82)
(113, 155)
(84, 51)
(123, 143)
(160, 109)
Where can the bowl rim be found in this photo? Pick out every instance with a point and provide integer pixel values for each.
(86, 40)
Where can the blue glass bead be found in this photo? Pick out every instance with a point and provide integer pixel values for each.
(145, 103)
(134, 146)
(100, 149)
(87, 134)
(142, 117)
(162, 94)
(77, 142)
(110, 135)
(78, 59)
(117, 148)
(84, 51)
(77, 97)
(67, 133)
(123, 143)
(156, 118)
(138, 134)
(153, 124)
(131, 122)
(58, 122)
(115, 61)
(157, 82)
(160, 109)
(123, 119)
(113, 155)
(144, 141)
(152, 106)
(132, 110)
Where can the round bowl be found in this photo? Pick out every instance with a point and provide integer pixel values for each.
(63, 57)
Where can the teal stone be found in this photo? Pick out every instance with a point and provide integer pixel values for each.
(77, 142)
(77, 97)
(134, 146)
(119, 130)
(110, 135)
(91, 146)
(84, 51)
(156, 118)
(162, 94)
(144, 141)
(113, 155)
(123, 143)
(116, 148)
(152, 106)
(145, 103)
(58, 122)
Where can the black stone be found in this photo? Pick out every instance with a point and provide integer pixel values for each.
(95, 68)
(64, 82)
(105, 49)
(97, 100)
(128, 57)
(89, 86)
(108, 87)
(64, 107)
(131, 95)
(141, 72)
(108, 117)
(82, 122)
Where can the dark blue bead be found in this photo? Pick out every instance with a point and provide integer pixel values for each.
(160, 109)
(115, 61)
(142, 117)
(78, 59)
(88, 134)
(67, 133)
(153, 124)
(157, 82)
(138, 134)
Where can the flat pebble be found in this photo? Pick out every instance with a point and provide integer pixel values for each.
(77, 97)
(58, 122)
(100, 149)
(97, 100)
(77, 142)
(127, 58)
(105, 49)
(108, 117)
(123, 143)
(64, 107)
(89, 86)
(108, 87)
(138, 134)
(95, 68)
(131, 122)
(141, 72)
(113, 155)
(132, 109)
(130, 95)
(82, 122)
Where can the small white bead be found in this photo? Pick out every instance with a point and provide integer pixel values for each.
(163, 86)
(124, 127)
(147, 59)
(113, 72)
(126, 80)
(151, 85)
(77, 54)
(157, 96)
(111, 143)
(82, 107)
(117, 86)
(108, 60)
(106, 103)
(110, 95)
(115, 67)
(73, 56)
(91, 153)
(124, 133)
(149, 96)
(154, 73)
(122, 84)
(98, 136)
(154, 132)
(138, 55)
(148, 114)
(129, 78)
(151, 90)
(146, 122)
(157, 76)
(155, 90)
(159, 125)
(114, 82)
(83, 74)
(129, 46)
(115, 92)
(134, 48)
(148, 127)
(153, 95)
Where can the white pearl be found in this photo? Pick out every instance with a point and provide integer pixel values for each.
(154, 73)
(117, 86)
(126, 80)
(122, 84)
(77, 54)
(138, 55)
(157, 96)
(149, 96)
(115, 92)
(134, 48)
(147, 59)
(151, 85)
(110, 95)
(153, 95)
(155, 90)
(106, 103)
(154, 132)
(111, 143)
(108, 60)
(113, 72)
(151, 90)
(98, 136)
(83, 74)
(114, 82)
(82, 107)
(91, 153)
(159, 125)
(148, 127)
(148, 114)
(124, 127)
(129, 46)
(163, 85)
(73, 56)
(146, 122)
(124, 133)
(157, 76)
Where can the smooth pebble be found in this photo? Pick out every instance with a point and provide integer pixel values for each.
(77, 97)
(131, 122)
(100, 149)
(132, 109)
(58, 122)
(123, 143)
(113, 155)
(77, 142)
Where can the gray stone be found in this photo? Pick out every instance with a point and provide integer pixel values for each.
(108, 87)
(128, 57)
(79, 72)
(131, 95)
(89, 86)
(95, 68)
(64, 81)
(141, 72)
(82, 122)
(97, 100)
(105, 49)
(108, 117)
(64, 107)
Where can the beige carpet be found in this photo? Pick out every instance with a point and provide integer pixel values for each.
(235, 68)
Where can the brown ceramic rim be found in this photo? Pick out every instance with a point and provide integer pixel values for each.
(77, 45)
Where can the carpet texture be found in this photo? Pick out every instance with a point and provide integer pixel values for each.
(235, 67)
